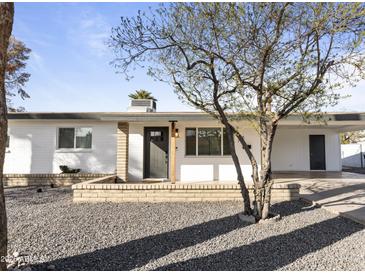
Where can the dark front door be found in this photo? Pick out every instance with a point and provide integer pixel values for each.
(317, 152)
(156, 151)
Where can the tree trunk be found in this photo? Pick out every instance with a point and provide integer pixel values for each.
(267, 134)
(255, 173)
(6, 25)
(229, 128)
(244, 191)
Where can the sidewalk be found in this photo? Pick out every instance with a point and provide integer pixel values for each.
(344, 195)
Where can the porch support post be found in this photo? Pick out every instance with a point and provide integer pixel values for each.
(173, 153)
(122, 151)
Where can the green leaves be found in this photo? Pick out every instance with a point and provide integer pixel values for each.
(15, 75)
(142, 94)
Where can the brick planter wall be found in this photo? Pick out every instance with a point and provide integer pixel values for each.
(14, 180)
(91, 192)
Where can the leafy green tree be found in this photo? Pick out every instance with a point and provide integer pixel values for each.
(255, 61)
(142, 94)
(16, 77)
(352, 137)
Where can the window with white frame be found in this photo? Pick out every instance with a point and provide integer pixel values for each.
(80, 137)
(206, 142)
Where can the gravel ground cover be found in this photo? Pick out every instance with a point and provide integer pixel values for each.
(58, 234)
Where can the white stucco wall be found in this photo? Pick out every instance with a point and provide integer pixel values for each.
(213, 168)
(33, 148)
(191, 168)
(290, 153)
(291, 149)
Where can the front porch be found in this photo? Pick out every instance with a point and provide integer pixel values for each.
(342, 193)
(184, 148)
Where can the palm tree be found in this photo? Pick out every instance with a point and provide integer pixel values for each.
(142, 94)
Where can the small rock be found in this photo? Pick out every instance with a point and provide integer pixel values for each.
(314, 205)
(39, 190)
(51, 267)
(271, 220)
(16, 254)
(247, 218)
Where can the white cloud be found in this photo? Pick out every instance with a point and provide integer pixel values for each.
(36, 62)
(97, 43)
(87, 23)
(31, 36)
(92, 31)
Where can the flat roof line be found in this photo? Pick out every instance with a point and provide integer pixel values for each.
(159, 116)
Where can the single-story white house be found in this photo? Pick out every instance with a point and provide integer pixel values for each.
(142, 144)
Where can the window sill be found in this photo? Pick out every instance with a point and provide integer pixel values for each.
(207, 156)
(74, 150)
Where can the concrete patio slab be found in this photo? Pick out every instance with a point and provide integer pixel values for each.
(342, 193)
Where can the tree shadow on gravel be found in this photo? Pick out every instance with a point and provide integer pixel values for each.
(139, 252)
(29, 195)
(273, 252)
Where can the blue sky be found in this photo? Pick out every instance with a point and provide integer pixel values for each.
(69, 64)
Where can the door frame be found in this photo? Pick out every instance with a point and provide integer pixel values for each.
(145, 145)
(324, 152)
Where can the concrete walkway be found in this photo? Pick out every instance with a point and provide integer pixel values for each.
(342, 193)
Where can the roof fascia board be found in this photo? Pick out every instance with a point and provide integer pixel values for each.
(357, 118)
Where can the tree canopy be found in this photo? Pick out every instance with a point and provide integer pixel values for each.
(16, 77)
(258, 61)
(294, 54)
(352, 137)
